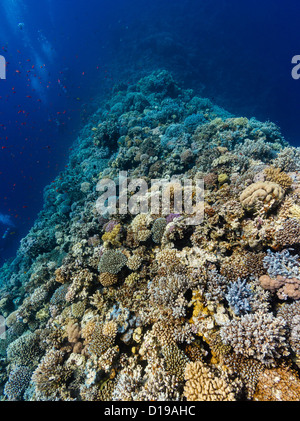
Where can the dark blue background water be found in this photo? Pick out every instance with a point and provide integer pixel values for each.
(70, 53)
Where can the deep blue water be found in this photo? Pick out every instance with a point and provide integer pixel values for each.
(67, 55)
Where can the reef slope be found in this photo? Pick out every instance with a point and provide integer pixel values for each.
(149, 307)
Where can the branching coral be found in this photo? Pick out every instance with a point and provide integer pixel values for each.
(277, 176)
(278, 384)
(283, 274)
(50, 375)
(258, 335)
(102, 338)
(149, 306)
(238, 294)
(18, 381)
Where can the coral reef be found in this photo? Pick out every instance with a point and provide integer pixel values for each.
(147, 305)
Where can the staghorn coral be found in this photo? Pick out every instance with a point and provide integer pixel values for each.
(238, 294)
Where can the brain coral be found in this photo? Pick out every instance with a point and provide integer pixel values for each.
(266, 193)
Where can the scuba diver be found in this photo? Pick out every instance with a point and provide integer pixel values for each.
(7, 230)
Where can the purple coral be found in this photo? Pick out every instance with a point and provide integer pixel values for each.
(171, 217)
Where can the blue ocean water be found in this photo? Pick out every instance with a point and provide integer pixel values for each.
(65, 56)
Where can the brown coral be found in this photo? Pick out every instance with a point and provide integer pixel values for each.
(202, 384)
(107, 279)
(260, 194)
(50, 375)
(285, 287)
(279, 177)
(278, 384)
(288, 233)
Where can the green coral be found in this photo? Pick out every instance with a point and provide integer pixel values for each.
(112, 261)
(158, 229)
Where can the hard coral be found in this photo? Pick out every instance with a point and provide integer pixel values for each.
(261, 194)
(277, 176)
(112, 261)
(50, 375)
(258, 335)
(205, 384)
(107, 279)
(278, 384)
(283, 274)
(18, 381)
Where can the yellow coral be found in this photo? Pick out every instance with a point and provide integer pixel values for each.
(139, 227)
(200, 311)
(202, 384)
(131, 279)
(112, 237)
(294, 211)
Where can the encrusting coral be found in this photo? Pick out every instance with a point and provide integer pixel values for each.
(160, 305)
